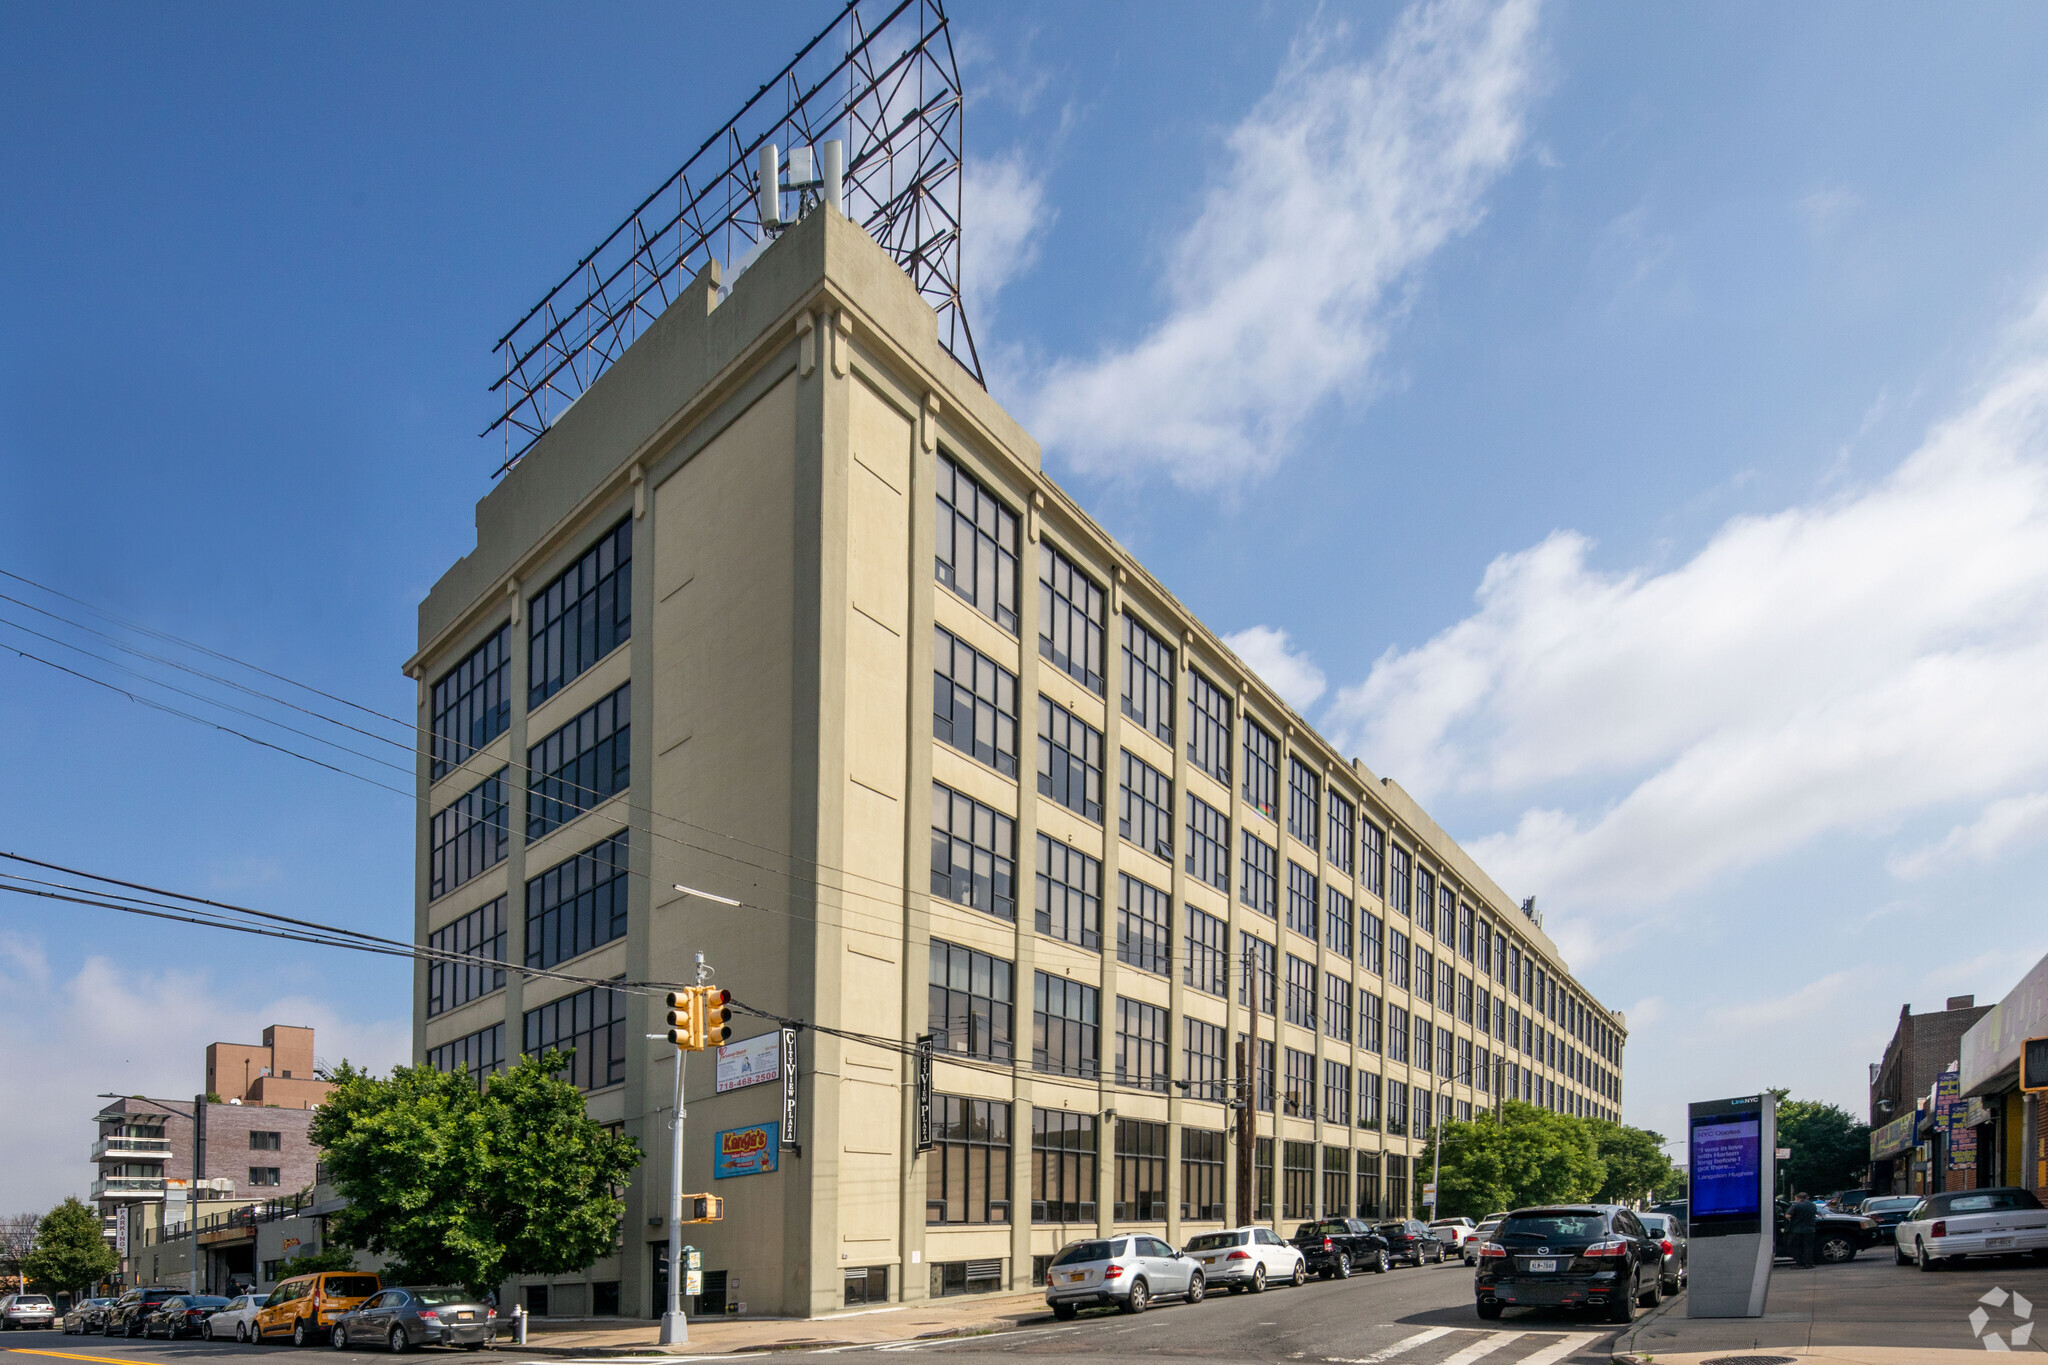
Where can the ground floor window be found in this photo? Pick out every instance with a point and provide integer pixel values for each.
(1201, 1174)
(867, 1284)
(1397, 1186)
(1369, 1185)
(966, 1277)
(1140, 1172)
(967, 1172)
(1298, 1180)
(1063, 1147)
(604, 1298)
(1262, 1162)
(1336, 1181)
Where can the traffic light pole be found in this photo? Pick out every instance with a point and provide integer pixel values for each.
(675, 1328)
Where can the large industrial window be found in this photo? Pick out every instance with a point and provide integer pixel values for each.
(1398, 893)
(1425, 974)
(967, 1172)
(1373, 857)
(1397, 1186)
(1343, 825)
(1208, 844)
(1337, 1173)
(1262, 1054)
(1447, 916)
(1257, 965)
(1298, 1100)
(591, 1025)
(1301, 992)
(1301, 900)
(1066, 1026)
(1140, 1172)
(1337, 922)
(1336, 1093)
(1148, 680)
(1466, 948)
(974, 854)
(1201, 1175)
(1446, 985)
(1465, 999)
(974, 702)
(1464, 1072)
(1141, 1045)
(581, 764)
(1069, 885)
(1369, 1099)
(1336, 1007)
(1297, 1180)
(976, 545)
(1397, 959)
(971, 1007)
(1446, 1060)
(1069, 760)
(1261, 768)
(1368, 1029)
(1262, 1165)
(1304, 802)
(1201, 1056)
(1070, 625)
(1425, 1035)
(478, 1055)
(1207, 967)
(468, 835)
(583, 615)
(1257, 882)
(578, 904)
(1397, 1109)
(1144, 926)
(472, 705)
(1397, 1034)
(1425, 900)
(478, 938)
(1369, 1184)
(1063, 1147)
(1209, 710)
(1370, 941)
(1146, 818)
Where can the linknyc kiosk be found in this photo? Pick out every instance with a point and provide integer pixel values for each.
(1731, 1149)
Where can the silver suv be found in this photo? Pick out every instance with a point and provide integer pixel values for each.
(27, 1310)
(1129, 1272)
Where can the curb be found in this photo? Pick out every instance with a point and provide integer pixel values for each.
(1624, 1354)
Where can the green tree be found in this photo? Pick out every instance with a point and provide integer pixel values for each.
(462, 1187)
(333, 1258)
(71, 1251)
(1530, 1156)
(1636, 1166)
(1830, 1149)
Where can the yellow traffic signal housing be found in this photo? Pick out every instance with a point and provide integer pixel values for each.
(712, 1028)
(2034, 1065)
(703, 1208)
(684, 1027)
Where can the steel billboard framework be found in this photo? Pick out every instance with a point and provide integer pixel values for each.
(891, 91)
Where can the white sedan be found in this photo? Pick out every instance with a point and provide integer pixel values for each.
(1948, 1227)
(237, 1320)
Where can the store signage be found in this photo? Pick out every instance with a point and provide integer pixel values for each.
(750, 1061)
(1948, 1097)
(787, 1047)
(745, 1151)
(924, 1093)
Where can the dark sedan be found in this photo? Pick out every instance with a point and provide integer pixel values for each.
(1409, 1239)
(1888, 1211)
(1597, 1256)
(403, 1316)
(1337, 1246)
(182, 1315)
(126, 1314)
(86, 1316)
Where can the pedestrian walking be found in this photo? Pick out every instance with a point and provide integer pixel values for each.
(1801, 1222)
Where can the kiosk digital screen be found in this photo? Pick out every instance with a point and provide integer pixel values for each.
(1726, 1153)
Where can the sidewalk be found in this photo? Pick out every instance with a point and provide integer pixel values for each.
(966, 1315)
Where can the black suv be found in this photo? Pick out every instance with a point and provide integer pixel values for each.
(1337, 1246)
(126, 1314)
(1837, 1237)
(1571, 1256)
(1410, 1239)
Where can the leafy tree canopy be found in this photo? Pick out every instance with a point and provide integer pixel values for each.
(1830, 1149)
(333, 1258)
(1529, 1156)
(70, 1251)
(469, 1188)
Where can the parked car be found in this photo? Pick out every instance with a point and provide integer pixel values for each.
(1455, 1231)
(124, 1316)
(85, 1316)
(305, 1306)
(1129, 1272)
(1948, 1227)
(1247, 1258)
(1336, 1246)
(404, 1317)
(1480, 1236)
(1409, 1239)
(1837, 1237)
(1848, 1201)
(236, 1319)
(184, 1314)
(1888, 1211)
(1669, 1235)
(1596, 1256)
(20, 1311)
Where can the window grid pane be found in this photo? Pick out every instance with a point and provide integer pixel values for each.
(1207, 967)
(1069, 760)
(1063, 1147)
(583, 615)
(1343, 827)
(971, 1003)
(976, 545)
(974, 854)
(1141, 1043)
(1146, 818)
(479, 1055)
(1209, 712)
(468, 836)
(1258, 881)
(1301, 900)
(1148, 680)
(974, 702)
(472, 706)
(967, 1175)
(578, 904)
(1208, 857)
(1069, 885)
(591, 1025)
(1070, 618)
(1304, 802)
(478, 936)
(1066, 1026)
(581, 764)
(1144, 927)
(1261, 768)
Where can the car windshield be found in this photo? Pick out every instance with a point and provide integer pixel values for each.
(352, 1286)
(441, 1298)
(1892, 1204)
(1547, 1228)
(1084, 1251)
(1215, 1241)
(31, 1301)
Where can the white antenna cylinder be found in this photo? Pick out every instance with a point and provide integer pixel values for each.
(835, 175)
(770, 192)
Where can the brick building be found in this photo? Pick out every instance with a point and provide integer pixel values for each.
(1921, 1048)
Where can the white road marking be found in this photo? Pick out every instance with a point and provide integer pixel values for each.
(1570, 1345)
(1406, 1344)
(1481, 1348)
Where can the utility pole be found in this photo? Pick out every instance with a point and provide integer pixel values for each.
(1248, 1091)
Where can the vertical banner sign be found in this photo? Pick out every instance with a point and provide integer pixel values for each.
(924, 1092)
(789, 1088)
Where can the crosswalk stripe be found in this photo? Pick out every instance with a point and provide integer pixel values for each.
(1568, 1346)
(1485, 1346)
(1405, 1345)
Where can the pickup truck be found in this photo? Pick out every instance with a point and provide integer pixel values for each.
(1337, 1246)
(1947, 1227)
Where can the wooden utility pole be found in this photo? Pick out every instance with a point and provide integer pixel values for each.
(1247, 1095)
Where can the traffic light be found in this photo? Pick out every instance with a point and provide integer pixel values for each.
(712, 1028)
(684, 1029)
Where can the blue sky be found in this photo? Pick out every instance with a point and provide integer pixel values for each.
(1643, 456)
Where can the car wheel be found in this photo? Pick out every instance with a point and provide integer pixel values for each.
(1652, 1296)
(1489, 1309)
(1623, 1307)
(302, 1332)
(1382, 1264)
(1899, 1256)
(1065, 1311)
(337, 1337)
(128, 1329)
(1197, 1287)
(1837, 1250)
(1343, 1270)
(1300, 1273)
(206, 1330)
(242, 1331)
(399, 1343)
(1927, 1263)
(1137, 1299)
(1258, 1285)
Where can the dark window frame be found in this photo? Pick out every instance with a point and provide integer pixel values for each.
(979, 875)
(481, 936)
(977, 716)
(1063, 907)
(1071, 603)
(1144, 931)
(966, 1142)
(1066, 1027)
(1145, 816)
(1208, 856)
(1149, 671)
(990, 578)
(1211, 712)
(580, 764)
(470, 835)
(1206, 965)
(979, 991)
(544, 1028)
(1143, 1046)
(1261, 769)
(556, 917)
(1140, 1157)
(1069, 779)
(1304, 803)
(582, 615)
(472, 703)
(1064, 1148)
(1258, 876)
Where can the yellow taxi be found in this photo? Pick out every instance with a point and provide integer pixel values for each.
(305, 1305)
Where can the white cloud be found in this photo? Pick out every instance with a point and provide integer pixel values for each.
(1003, 219)
(128, 1030)
(1837, 667)
(1287, 671)
(2003, 824)
(1344, 179)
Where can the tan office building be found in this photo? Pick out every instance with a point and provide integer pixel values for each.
(784, 610)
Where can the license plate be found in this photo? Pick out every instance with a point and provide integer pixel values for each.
(1077, 1277)
(1208, 1260)
(1998, 1241)
(1538, 1267)
(464, 1317)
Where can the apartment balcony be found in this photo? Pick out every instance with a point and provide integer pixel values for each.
(117, 1147)
(128, 1187)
